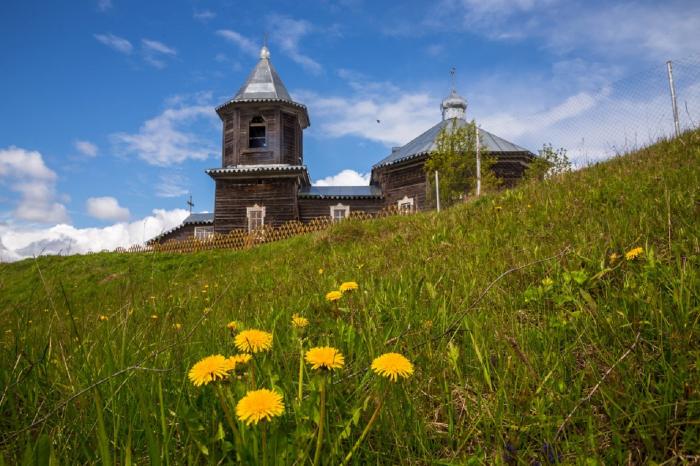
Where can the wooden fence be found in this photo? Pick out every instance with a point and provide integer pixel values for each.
(243, 239)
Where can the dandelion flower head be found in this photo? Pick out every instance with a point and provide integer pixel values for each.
(348, 286)
(299, 321)
(239, 359)
(258, 405)
(392, 366)
(233, 325)
(634, 253)
(103, 318)
(325, 357)
(253, 341)
(333, 296)
(614, 257)
(209, 369)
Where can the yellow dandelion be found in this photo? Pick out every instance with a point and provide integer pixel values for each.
(392, 365)
(209, 369)
(427, 324)
(233, 325)
(178, 326)
(320, 271)
(238, 359)
(634, 253)
(333, 296)
(547, 282)
(253, 341)
(614, 257)
(299, 321)
(258, 405)
(102, 318)
(325, 357)
(154, 317)
(348, 286)
(499, 208)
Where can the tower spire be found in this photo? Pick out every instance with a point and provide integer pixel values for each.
(454, 105)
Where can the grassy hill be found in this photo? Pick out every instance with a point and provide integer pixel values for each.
(531, 344)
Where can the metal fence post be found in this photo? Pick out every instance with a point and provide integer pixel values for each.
(676, 123)
(478, 164)
(437, 190)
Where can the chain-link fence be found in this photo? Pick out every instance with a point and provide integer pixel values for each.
(621, 116)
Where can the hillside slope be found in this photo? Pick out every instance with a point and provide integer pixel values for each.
(571, 355)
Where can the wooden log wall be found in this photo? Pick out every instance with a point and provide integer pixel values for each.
(232, 197)
(314, 207)
(282, 131)
(181, 233)
(406, 179)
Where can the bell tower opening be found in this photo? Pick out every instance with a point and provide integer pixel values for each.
(257, 133)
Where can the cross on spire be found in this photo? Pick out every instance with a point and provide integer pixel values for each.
(453, 71)
(190, 203)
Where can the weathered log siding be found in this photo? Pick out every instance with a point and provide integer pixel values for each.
(404, 179)
(183, 232)
(282, 131)
(316, 207)
(278, 196)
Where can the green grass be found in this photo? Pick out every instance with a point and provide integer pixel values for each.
(500, 364)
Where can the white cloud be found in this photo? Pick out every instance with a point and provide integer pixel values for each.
(204, 15)
(649, 30)
(107, 208)
(172, 185)
(389, 119)
(104, 5)
(115, 42)
(344, 178)
(86, 148)
(25, 173)
(159, 47)
(245, 44)
(171, 137)
(287, 33)
(154, 52)
(17, 242)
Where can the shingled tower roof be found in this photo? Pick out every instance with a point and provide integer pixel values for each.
(264, 85)
(263, 82)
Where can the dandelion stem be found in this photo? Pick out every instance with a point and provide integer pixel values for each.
(263, 432)
(229, 420)
(301, 369)
(321, 423)
(371, 422)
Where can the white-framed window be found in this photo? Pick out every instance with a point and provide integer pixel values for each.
(406, 205)
(256, 217)
(340, 212)
(203, 232)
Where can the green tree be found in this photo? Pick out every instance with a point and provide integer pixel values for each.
(454, 158)
(549, 163)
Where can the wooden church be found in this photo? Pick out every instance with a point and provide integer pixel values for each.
(263, 180)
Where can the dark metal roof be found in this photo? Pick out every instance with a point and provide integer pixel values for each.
(206, 217)
(425, 143)
(262, 169)
(270, 167)
(340, 192)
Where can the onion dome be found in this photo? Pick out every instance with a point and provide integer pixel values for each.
(454, 106)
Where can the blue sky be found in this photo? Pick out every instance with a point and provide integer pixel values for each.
(107, 118)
